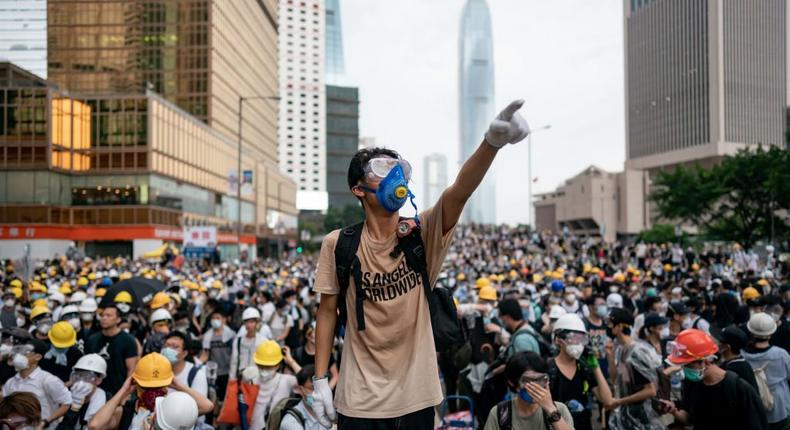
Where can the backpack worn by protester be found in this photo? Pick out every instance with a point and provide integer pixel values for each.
(284, 407)
(192, 373)
(546, 349)
(763, 388)
(447, 329)
(504, 413)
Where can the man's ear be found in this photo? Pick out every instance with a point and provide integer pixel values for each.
(357, 191)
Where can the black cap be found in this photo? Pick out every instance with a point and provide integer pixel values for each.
(678, 308)
(620, 316)
(653, 319)
(731, 335)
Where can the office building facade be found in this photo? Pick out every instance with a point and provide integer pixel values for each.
(23, 34)
(342, 140)
(302, 126)
(434, 179)
(476, 95)
(335, 61)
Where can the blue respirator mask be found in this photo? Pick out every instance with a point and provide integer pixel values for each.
(393, 190)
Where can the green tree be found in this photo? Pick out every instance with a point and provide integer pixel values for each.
(736, 200)
(339, 217)
(659, 233)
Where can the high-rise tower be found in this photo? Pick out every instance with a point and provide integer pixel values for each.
(476, 95)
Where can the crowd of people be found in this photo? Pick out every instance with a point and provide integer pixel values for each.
(561, 331)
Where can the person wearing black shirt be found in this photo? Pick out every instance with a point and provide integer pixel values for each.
(305, 355)
(731, 341)
(116, 346)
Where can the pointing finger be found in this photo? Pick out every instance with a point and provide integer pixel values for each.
(512, 108)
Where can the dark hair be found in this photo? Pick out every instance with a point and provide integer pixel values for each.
(288, 294)
(520, 362)
(21, 403)
(511, 308)
(305, 374)
(217, 312)
(281, 304)
(179, 335)
(180, 316)
(356, 168)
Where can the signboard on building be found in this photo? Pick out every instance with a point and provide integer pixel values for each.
(246, 183)
(200, 237)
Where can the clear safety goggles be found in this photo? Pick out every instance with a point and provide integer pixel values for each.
(678, 351)
(576, 338)
(530, 377)
(23, 349)
(380, 167)
(83, 375)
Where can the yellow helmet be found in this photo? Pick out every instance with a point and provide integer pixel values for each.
(100, 292)
(695, 267)
(595, 270)
(482, 283)
(750, 293)
(83, 281)
(667, 267)
(153, 371)
(579, 280)
(513, 274)
(268, 353)
(39, 302)
(38, 311)
(556, 275)
(17, 292)
(537, 277)
(619, 277)
(587, 267)
(37, 287)
(16, 283)
(91, 276)
(217, 285)
(125, 275)
(123, 297)
(487, 293)
(62, 335)
(762, 282)
(65, 288)
(461, 277)
(160, 300)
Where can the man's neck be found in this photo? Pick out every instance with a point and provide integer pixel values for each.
(218, 331)
(179, 366)
(381, 227)
(309, 348)
(762, 344)
(713, 375)
(564, 358)
(625, 339)
(110, 332)
(25, 373)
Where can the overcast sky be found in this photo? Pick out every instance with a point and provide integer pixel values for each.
(564, 57)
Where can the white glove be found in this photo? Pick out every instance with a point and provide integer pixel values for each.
(79, 391)
(508, 127)
(322, 402)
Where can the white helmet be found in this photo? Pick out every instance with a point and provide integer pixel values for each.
(160, 315)
(569, 322)
(250, 313)
(78, 297)
(112, 273)
(94, 363)
(761, 325)
(176, 411)
(614, 300)
(57, 296)
(89, 305)
(69, 309)
(556, 312)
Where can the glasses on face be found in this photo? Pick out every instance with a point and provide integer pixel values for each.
(83, 375)
(380, 167)
(541, 379)
(576, 338)
(22, 349)
(678, 350)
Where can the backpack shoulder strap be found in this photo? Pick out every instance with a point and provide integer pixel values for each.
(413, 249)
(696, 323)
(296, 414)
(504, 415)
(345, 258)
(192, 373)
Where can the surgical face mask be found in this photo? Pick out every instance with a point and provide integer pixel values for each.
(693, 375)
(602, 311)
(20, 362)
(86, 317)
(5, 349)
(309, 400)
(393, 190)
(123, 307)
(44, 327)
(613, 289)
(215, 323)
(687, 323)
(170, 354)
(75, 322)
(184, 327)
(776, 317)
(267, 375)
(664, 332)
(574, 351)
(9, 303)
(20, 322)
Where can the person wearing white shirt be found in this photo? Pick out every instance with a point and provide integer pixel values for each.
(273, 384)
(51, 392)
(301, 415)
(175, 350)
(244, 345)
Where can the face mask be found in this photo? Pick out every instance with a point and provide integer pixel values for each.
(5, 349)
(44, 328)
(524, 395)
(693, 375)
(267, 375)
(184, 328)
(687, 323)
(308, 399)
(393, 190)
(20, 322)
(9, 303)
(20, 362)
(776, 317)
(148, 397)
(36, 296)
(75, 322)
(86, 317)
(123, 307)
(574, 351)
(664, 332)
(216, 323)
(602, 311)
(170, 354)
(613, 289)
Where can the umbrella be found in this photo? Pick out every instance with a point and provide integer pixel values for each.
(142, 291)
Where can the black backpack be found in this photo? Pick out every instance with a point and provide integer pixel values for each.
(447, 329)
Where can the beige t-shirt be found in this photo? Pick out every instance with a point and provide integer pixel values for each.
(389, 369)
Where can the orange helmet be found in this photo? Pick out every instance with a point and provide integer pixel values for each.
(691, 345)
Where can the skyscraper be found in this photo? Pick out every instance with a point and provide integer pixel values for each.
(23, 34)
(476, 94)
(302, 122)
(335, 63)
(342, 141)
(704, 79)
(434, 179)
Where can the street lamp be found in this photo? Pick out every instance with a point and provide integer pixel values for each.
(529, 171)
(242, 99)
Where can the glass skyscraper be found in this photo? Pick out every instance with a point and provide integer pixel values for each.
(476, 95)
(335, 65)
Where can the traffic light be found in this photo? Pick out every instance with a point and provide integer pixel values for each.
(298, 249)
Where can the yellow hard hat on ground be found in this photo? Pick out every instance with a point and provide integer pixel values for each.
(160, 300)
(62, 335)
(123, 297)
(153, 371)
(268, 353)
(38, 311)
(487, 293)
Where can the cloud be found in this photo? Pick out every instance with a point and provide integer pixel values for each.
(565, 57)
